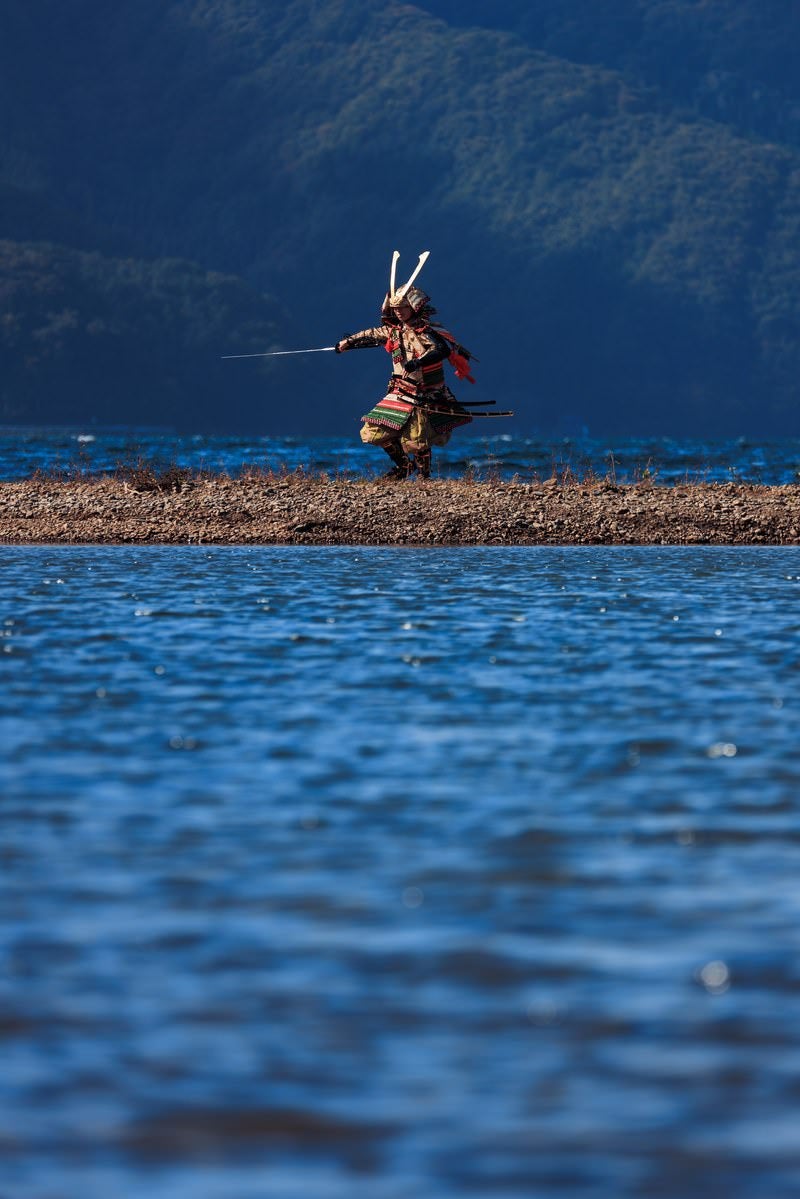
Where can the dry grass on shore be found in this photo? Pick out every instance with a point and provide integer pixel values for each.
(144, 475)
(141, 503)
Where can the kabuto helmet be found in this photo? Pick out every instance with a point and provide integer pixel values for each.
(396, 297)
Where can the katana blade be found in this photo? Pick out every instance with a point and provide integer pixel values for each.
(280, 353)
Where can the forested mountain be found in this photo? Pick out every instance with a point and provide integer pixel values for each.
(85, 337)
(611, 195)
(734, 62)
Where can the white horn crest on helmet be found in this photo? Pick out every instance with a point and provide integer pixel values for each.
(408, 293)
(423, 258)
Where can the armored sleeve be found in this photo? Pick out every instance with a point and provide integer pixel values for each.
(367, 338)
(436, 350)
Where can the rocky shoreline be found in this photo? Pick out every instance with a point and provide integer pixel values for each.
(300, 509)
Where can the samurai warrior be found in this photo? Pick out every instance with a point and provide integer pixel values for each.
(418, 411)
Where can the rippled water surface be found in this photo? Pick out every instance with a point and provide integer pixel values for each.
(486, 449)
(334, 872)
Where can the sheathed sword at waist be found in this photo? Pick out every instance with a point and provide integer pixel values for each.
(396, 388)
(453, 411)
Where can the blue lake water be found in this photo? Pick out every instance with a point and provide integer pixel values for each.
(484, 449)
(391, 873)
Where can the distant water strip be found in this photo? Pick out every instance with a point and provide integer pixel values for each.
(72, 452)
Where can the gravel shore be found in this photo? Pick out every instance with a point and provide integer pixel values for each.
(306, 510)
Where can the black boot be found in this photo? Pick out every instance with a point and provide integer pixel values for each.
(403, 465)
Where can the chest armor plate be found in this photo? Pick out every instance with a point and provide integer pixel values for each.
(409, 345)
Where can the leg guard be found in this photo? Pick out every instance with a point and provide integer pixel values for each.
(403, 465)
(422, 459)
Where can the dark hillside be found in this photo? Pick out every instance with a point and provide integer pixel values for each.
(614, 257)
(732, 60)
(141, 338)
